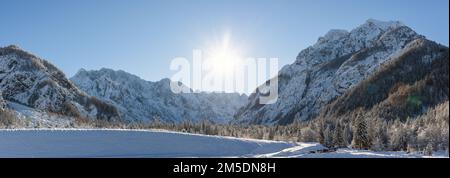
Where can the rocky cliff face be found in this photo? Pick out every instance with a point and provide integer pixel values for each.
(322, 72)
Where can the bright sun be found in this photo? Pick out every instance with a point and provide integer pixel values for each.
(222, 58)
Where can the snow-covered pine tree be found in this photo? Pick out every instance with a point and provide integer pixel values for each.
(320, 126)
(328, 136)
(428, 150)
(378, 136)
(2, 102)
(308, 135)
(360, 135)
(398, 136)
(348, 135)
(338, 137)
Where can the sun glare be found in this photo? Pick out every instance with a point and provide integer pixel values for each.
(223, 58)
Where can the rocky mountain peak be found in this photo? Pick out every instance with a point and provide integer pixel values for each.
(384, 25)
(338, 43)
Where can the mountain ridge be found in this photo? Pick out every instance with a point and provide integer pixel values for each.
(141, 100)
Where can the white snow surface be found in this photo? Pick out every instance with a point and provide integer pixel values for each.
(127, 143)
(72, 143)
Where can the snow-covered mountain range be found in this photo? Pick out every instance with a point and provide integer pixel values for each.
(320, 78)
(29, 84)
(140, 100)
(322, 72)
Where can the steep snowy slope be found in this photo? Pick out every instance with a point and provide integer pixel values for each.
(324, 71)
(140, 100)
(412, 82)
(34, 82)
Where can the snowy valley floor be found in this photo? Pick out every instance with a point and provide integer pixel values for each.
(158, 143)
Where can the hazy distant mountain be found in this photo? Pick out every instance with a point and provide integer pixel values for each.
(140, 100)
(339, 61)
(28, 80)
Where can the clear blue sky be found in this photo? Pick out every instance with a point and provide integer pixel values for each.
(142, 36)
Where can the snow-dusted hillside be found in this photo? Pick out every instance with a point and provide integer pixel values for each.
(34, 82)
(140, 100)
(34, 118)
(337, 62)
(156, 143)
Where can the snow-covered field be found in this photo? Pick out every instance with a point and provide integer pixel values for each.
(156, 143)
